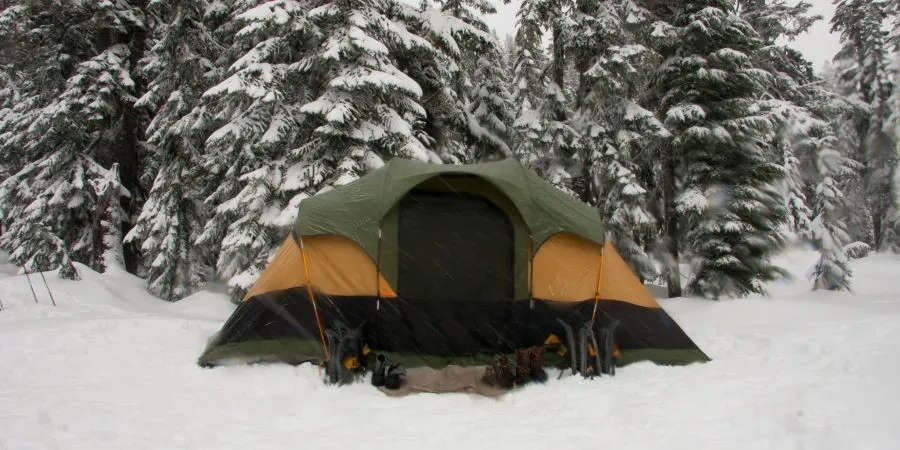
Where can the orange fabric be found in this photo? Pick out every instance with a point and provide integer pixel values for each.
(283, 272)
(620, 283)
(312, 298)
(565, 269)
(569, 268)
(337, 266)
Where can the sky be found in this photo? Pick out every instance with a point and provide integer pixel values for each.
(818, 44)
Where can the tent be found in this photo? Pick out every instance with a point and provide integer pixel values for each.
(441, 265)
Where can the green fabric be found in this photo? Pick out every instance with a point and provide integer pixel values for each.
(290, 350)
(295, 351)
(357, 210)
(670, 357)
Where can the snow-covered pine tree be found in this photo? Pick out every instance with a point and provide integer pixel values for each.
(799, 213)
(255, 109)
(481, 83)
(528, 81)
(178, 66)
(617, 134)
(490, 110)
(369, 110)
(444, 72)
(892, 128)
(546, 138)
(10, 94)
(827, 167)
(709, 92)
(34, 66)
(774, 20)
(828, 230)
(794, 86)
(67, 133)
(864, 70)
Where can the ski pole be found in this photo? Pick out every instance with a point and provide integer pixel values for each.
(1, 306)
(30, 285)
(48, 289)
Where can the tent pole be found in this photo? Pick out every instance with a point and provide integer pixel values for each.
(531, 269)
(375, 331)
(599, 280)
(530, 286)
(312, 297)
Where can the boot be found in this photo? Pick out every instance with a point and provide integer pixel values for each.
(499, 373)
(571, 345)
(378, 373)
(523, 366)
(536, 364)
(393, 378)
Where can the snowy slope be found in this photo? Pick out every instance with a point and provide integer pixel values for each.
(112, 367)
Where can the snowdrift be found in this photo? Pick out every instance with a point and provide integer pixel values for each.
(113, 367)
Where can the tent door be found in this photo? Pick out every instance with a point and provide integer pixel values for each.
(455, 274)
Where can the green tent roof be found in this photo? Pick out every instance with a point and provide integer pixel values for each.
(356, 210)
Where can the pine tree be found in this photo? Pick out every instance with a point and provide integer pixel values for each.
(313, 99)
(257, 122)
(616, 131)
(368, 107)
(67, 133)
(172, 217)
(709, 90)
(528, 84)
(796, 86)
(828, 230)
(444, 72)
(892, 128)
(481, 84)
(864, 70)
(491, 109)
(547, 139)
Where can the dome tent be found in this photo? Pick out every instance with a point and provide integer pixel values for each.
(445, 264)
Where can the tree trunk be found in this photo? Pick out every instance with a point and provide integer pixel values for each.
(670, 233)
(559, 65)
(128, 155)
(98, 263)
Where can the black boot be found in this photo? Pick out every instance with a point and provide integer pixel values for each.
(536, 364)
(393, 378)
(607, 340)
(378, 373)
(344, 362)
(571, 344)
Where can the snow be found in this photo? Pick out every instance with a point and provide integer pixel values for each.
(686, 113)
(365, 77)
(113, 367)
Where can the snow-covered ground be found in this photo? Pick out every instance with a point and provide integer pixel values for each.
(112, 367)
